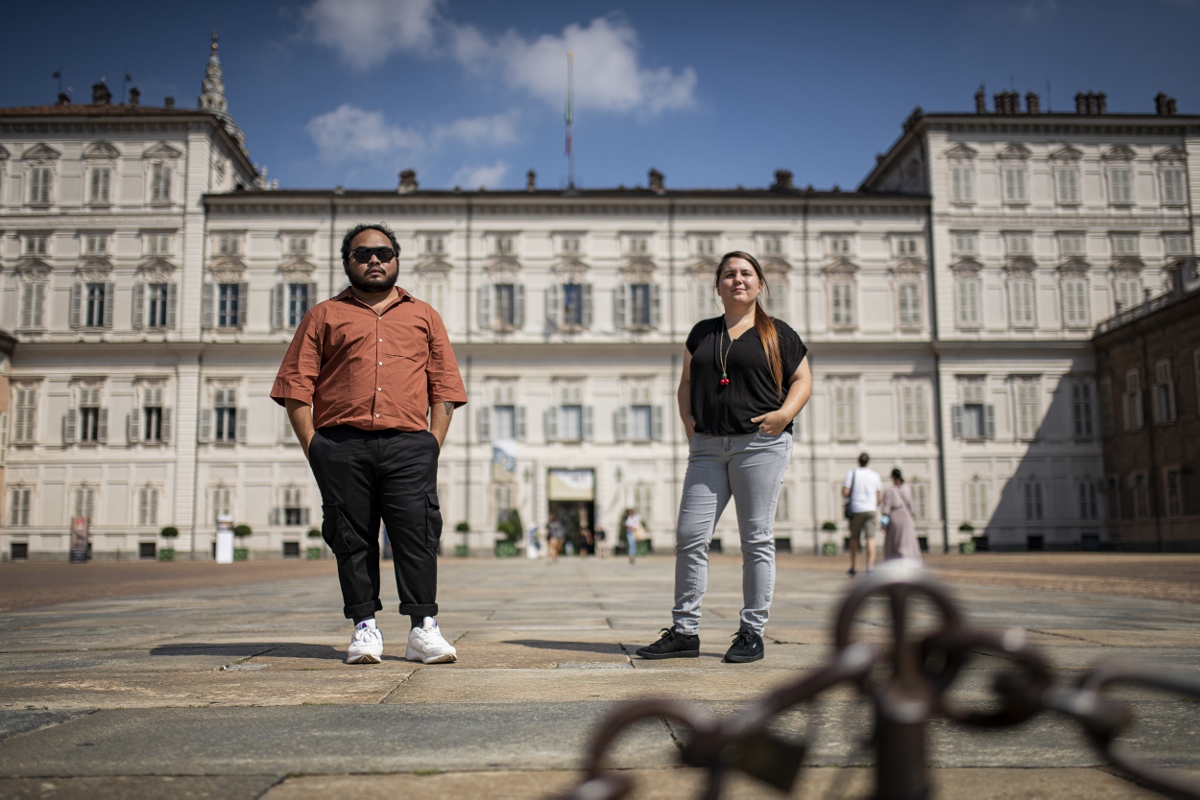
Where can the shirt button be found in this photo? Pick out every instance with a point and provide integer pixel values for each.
(381, 363)
(377, 415)
(379, 388)
(381, 340)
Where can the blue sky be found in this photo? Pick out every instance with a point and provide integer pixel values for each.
(713, 94)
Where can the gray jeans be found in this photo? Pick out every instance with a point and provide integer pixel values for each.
(749, 468)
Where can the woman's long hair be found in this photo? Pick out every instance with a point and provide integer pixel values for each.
(763, 324)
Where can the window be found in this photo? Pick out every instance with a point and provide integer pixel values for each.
(569, 305)
(1164, 393)
(228, 305)
(504, 420)
(1068, 185)
(839, 246)
(977, 500)
(1106, 407)
(1014, 184)
(152, 422)
(1132, 401)
(1029, 408)
(908, 297)
(296, 245)
(1113, 498)
(1081, 406)
(969, 306)
(33, 306)
(95, 244)
(503, 246)
(1120, 185)
(147, 507)
(39, 185)
(1176, 244)
(920, 495)
(770, 245)
(962, 184)
(19, 502)
(704, 246)
(1124, 244)
(229, 244)
(226, 422)
(160, 183)
(1141, 497)
(1128, 292)
(1021, 302)
(222, 502)
(37, 244)
(1075, 301)
(435, 245)
(94, 305)
(501, 306)
(783, 506)
(637, 246)
(159, 300)
(914, 414)
(842, 304)
(100, 185)
(85, 502)
(294, 510)
(845, 411)
(964, 243)
(569, 246)
(637, 305)
(973, 419)
(643, 496)
(570, 412)
(1033, 501)
(433, 289)
(87, 423)
(907, 247)
(1071, 245)
(1173, 187)
(157, 244)
(1174, 492)
(506, 305)
(641, 423)
(25, 414)
(1019, 244)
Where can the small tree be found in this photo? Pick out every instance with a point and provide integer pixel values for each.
(966, 527)
(510, 525)
(242, 531)
(170, 533)
(314, 533)
(829, 526)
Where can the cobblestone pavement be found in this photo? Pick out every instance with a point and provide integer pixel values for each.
(203, 680)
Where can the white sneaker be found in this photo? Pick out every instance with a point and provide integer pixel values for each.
(425, 644)
(366, 646)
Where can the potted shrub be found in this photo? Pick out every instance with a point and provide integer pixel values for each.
(314, 550)
(967, 547)
(241, 533)
(511, 527)
(829, 548)
(462, 550)
(170, 533)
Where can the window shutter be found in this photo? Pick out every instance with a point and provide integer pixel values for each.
(304, 514)
(70, 425)
(39, 305)
(273, 516)
(102, 426)
(520, 423)
(550, 423)
(206, 305)
(991, 421)
(620, 424)
(108, 304)
(76, 304)
(206, 424)
(26, 320)
(133, 426)
(620, 296)
(656, 424)
(553, 302)
(166, 425)
(956, 421)
(587, 305)
(139, 305)
(483, 423)
(278, 301)
(243, 303)
(589, 423)
(3, 435)
(519, 290)
(485, 307)
(242, 424)
(171, 304)
(655, 305)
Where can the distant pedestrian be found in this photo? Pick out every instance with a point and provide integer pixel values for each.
(745, 377)
(633, 530)
(899, 532)
(601, 537)
(370, 383)
(555, 535)
(863, 490)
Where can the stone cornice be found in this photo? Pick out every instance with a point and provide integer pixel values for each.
(1014, 222)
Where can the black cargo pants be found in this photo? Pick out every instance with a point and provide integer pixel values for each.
(365, 476)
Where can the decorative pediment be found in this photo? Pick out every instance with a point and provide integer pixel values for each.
(1015, 150)
(639, 262)
(1074, 266)
(1020, 264)
(41, 152)
(162, 150)
(775, 264)
(909, 266)
(638, 270)
(961, 151)
(101, 150)
(3, 153)
(703, 265)
(95, 262)
(1119, 152)
(227, 269)
(571, 270)
(95, 272)
(297, 267)
(432, 265)
(841, 266)
(156, 270)
(33, 270)
(966, 265)
(1066, 153)
(1128, 264)
(1172, 155)
(500, 262)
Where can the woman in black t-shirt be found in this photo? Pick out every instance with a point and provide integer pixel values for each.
(745, 377)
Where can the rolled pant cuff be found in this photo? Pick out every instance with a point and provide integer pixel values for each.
(362, 609)
(418, 609)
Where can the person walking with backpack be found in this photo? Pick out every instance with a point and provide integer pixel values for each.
(863, 490)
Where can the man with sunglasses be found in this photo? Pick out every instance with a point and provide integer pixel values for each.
(370, 383)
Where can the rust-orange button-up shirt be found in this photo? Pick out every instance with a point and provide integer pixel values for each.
(373, 371)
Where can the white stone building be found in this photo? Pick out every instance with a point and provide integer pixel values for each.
(153, 280)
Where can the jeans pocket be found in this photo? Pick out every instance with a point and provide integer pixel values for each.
(433, 520)
(336, 531)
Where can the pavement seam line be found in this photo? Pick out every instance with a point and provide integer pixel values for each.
(395, 688)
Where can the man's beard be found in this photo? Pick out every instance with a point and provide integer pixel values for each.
(373, 285)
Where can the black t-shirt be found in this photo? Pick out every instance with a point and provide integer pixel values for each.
(727, 410)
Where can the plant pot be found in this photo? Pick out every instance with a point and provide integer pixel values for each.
(829, 549)
(166, 554)
(505, 550)
(313, 553)
(966, 548)
(241, 553)
(461, 551)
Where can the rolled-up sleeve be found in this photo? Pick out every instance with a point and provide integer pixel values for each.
(301, 365)
(444, 380)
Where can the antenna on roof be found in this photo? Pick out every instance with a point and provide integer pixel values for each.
(58, 75)
(1049, 107)
(570, 118)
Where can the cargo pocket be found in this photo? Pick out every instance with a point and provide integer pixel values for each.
(433, 521)
(336, 531)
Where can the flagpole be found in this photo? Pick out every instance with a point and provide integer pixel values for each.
(570, 120)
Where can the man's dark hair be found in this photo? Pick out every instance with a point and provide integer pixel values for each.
(864, 459)
(368, 226)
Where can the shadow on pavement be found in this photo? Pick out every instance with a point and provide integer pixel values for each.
(241, 650)
(587, 647)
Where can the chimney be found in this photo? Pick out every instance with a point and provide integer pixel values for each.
(101, 96)
(1171, 110)
(1080, 103)
(530, 181)
(135, 96)
(408, 181)
(980, 101)
(168, 102)
(1160, 103)
(1101, 103)
(783, 179)
(913, 119)
(64, 99)
(656, 182)
(1033, 103)
(1001, 101)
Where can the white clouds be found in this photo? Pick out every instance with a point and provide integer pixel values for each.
(350, 133)
(365, 32)
(480, 177)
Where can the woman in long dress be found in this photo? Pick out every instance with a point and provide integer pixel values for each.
(900, 540)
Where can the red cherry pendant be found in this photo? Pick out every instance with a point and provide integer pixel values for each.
(724, 381)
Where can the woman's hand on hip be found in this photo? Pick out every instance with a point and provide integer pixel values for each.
(689, 427)
(772, 423)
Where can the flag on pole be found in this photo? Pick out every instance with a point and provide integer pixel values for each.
(570, 82)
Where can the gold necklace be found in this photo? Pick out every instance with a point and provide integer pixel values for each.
(724, 354)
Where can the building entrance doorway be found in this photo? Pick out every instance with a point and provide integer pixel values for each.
(571, 498)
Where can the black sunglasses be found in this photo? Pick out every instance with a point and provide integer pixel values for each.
(363, 254)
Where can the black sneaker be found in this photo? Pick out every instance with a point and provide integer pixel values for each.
(673, 644)
(747, 646)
